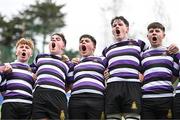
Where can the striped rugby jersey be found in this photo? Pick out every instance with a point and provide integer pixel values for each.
(51, 72)
(2, 81)
(159, 68)
(89, 76)
(124, 60)
(19, 83)
(178, 85)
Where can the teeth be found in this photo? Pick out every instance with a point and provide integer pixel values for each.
(53, 45)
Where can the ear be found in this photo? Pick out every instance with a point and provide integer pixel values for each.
(31, 53)
(127, 30)
(164, 35)
(16, 52)
(63, 47)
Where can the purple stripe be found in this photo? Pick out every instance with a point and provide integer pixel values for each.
(49, 71)
(160, 87)
(88, 66)
(48, 62)
(89, 76)
(15, 94)
(20, 65)
(154, 51)
(125, 74)
(157, 74)
(16, 86)
(87, 84)
(122, 62)
(49, 80)
(25, 77)
(128, 50)
(164, 61)
(178, 88)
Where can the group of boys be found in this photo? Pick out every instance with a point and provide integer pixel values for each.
(129, 80)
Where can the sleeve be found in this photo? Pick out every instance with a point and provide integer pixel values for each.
(104, 60)
(70, 75)
(176, 65)
(104, 52)
(34, 65)
(143, 45)
(141, 69)
(2, 82)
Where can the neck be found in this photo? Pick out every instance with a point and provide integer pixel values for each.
(25, 62)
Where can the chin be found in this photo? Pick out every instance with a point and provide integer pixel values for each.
(23, 61)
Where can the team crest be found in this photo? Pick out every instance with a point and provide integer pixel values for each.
(62, 116)
(133, 106)
(169, 115)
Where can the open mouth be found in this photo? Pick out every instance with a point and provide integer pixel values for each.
(53, 45)
(154, 39)
(23, 54)
(83, 48)
(117, 31)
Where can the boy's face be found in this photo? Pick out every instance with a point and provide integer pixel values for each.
(86, 47)
(119, 29)
(23, 53)
(56, 45)
(155, 36)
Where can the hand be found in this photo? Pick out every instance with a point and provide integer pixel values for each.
(106, 74)
(172, 49)
(65, 58)
(141, 77)
(2, 68)
(75, 60)
(7, 68)
(34, 76)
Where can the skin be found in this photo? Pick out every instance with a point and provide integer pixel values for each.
(23, 53)
(155, 37)
(120, 30)
(86, 47)
(59, 45)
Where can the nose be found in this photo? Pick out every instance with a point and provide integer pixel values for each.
(24, 49)
(154, 32)
(83, 42)
(53, 40)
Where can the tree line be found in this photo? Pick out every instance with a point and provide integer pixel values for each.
(39, 19)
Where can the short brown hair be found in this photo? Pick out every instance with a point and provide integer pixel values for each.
(90, 37)
(156, 25)
(120, 18)
(28, 42)
(60, 35)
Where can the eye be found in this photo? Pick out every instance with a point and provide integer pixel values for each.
(120, 24)
(87, 41)
(151, 31)
(157, 31)
(114, 25)
(58, 39)
(27, 47)
(81, 41)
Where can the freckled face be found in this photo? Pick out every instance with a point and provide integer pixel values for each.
(23, 52)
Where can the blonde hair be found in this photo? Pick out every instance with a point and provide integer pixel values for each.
(28, 42)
